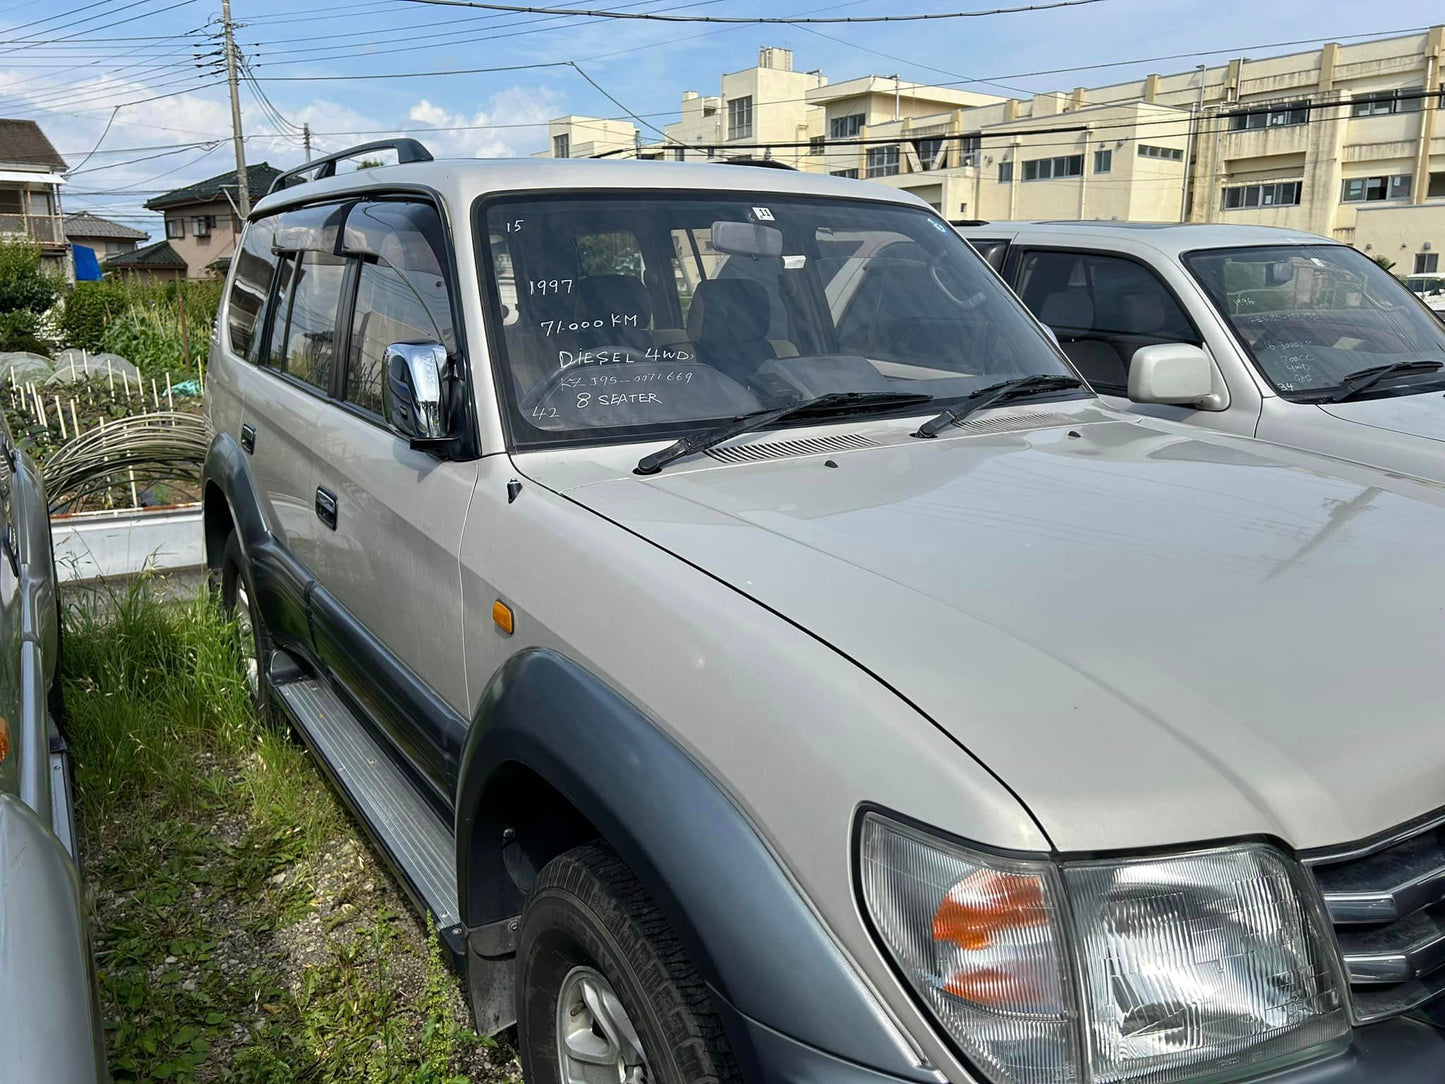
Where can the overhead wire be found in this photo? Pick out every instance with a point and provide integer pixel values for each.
(756, 20)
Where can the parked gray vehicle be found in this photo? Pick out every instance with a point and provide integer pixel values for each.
(50, 1020)
(1264, 332)
(744, 632)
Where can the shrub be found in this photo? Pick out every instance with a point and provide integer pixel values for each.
(24, 285)
(23, 330)
(88, 308)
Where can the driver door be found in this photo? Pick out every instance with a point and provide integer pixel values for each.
(388, 565)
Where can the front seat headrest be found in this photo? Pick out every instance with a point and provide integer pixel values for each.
(728, 309)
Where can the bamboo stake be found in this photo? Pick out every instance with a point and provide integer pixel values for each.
(155, 394)
(74, 419)
(125, 383)
(110, 375)
(170, 400)
(40, 408)
(134, 499)
(61, 414)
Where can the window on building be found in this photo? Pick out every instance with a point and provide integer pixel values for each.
(970, 144)
(679, 154)
(1437, 186)
(1103, 160)
(1044, 169)
(1273, 116)
(1005, 173)
(12, 201)
(303, 341)
(1280, 194)
(175, 228)
(853, 173)
(817, 144)
(740, 118)
(562, 146)
(882, 161)
(845, 127)
(1382, 102)
(1427, 263)
(1169, 154)
(1370, 189)
(202, 225)
(930, 152)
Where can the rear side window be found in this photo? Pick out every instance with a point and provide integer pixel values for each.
(251, 285)
(303, 341)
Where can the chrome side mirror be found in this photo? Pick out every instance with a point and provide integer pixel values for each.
(1176, 373)
(412, 390)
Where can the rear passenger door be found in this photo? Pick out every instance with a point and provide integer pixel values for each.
(388, 607)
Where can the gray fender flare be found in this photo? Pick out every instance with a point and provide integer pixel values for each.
(743, 922)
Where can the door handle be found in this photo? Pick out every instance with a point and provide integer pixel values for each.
(248, 438)
(326, 506)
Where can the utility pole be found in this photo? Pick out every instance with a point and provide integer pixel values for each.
(230, 46)
(306, 139)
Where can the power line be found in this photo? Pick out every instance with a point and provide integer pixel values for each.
(104, 132)
(756, 20)
(410, 75)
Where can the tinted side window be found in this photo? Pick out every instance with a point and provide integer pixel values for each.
(388, 311)
(255, 264)
(402, 293)
(992, 251)
(1102, 308)
(303, 341)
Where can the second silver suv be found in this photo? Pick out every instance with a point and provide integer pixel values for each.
(740, 627)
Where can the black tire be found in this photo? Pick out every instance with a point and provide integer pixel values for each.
(235, 576)
(587, 910)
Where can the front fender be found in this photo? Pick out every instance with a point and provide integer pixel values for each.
(744, 923)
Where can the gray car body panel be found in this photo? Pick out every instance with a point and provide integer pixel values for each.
(1400, 433)
(966, 631)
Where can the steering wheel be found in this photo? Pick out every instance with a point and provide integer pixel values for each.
(968, 304)
(543, 388)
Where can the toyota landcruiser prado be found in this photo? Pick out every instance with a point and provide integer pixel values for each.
(742, 630)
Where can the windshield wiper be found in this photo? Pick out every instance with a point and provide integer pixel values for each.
(837, 402)
(1364, 379)
(994, 393)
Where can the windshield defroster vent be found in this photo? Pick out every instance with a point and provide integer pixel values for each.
(782, 449)
(1011, 423)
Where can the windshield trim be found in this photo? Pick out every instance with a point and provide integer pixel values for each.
(505, 393)
(1309, 396)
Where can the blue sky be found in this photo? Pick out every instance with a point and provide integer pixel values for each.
(68, 63)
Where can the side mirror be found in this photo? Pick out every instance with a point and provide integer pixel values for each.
(1170, 373)
(412, 390)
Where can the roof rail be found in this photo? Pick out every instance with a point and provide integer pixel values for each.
(407, 150)
(766, 163)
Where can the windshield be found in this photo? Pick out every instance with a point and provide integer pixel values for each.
(641, 318)
(1311, 315)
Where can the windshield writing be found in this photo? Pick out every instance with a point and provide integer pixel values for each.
(648, 317)
(1312, 315)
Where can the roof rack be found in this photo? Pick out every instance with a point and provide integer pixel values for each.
(407, 150)
(766, 163)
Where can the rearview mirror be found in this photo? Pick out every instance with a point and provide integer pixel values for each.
(1175, 373)
(412, 390)
(1278, 273)
(746, 239)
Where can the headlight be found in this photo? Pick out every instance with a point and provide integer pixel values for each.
(1154, 970)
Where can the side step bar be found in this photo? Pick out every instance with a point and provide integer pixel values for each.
(418, 843)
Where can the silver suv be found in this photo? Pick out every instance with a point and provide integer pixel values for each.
(767, 660)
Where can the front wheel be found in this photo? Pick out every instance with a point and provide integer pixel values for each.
(605, 993)
(238, 601)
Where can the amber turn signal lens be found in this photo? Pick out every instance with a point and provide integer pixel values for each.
(4, 739)
(502, 616)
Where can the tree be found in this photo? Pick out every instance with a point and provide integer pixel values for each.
(27, 292)
(369, 163)
(1384, 261)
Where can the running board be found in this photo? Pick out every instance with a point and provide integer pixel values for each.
(418, 843)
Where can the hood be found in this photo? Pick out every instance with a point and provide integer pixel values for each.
(1152, 638)
(1421, 415)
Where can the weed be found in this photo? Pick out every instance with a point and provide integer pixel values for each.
(243, 931)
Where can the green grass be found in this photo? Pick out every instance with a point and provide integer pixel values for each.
(243, 932)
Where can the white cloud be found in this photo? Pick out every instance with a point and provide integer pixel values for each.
(525, 110)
